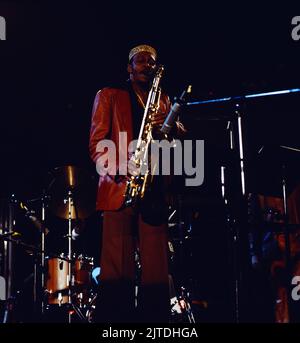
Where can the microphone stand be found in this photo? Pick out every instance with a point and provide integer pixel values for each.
(239, 220)
(234, 201)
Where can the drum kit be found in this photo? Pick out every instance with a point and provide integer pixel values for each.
(69, 275)
(62, 281)
(65, 280)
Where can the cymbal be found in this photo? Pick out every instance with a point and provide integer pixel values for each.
(72, 193)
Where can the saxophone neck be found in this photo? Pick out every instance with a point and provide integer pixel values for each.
(159, 70)
(158, 75)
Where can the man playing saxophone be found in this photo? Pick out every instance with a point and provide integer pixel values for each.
(127, 229)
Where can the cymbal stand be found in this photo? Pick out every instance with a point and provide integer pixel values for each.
(69, 201)
(71, 204)
(7, 217)
(39, 286)
(42, 254)
(183, 298)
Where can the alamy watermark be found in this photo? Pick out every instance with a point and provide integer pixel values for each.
(2, 288)
(161, 157)
(296, 290)
(2, 28)
(296, 29)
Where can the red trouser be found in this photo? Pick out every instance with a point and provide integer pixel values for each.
(118, 269)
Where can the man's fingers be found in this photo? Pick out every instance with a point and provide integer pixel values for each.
(158, 118)
(133, 168)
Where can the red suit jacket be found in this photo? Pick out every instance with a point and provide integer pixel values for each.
(112, 114)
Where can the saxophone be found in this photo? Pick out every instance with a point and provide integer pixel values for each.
(137, 184)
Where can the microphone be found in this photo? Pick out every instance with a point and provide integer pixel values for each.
(174, 111)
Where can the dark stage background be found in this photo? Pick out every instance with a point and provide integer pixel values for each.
(58, 55)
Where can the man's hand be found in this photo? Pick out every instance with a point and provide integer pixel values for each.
(158, 118)
(133, 167)
(157, 122)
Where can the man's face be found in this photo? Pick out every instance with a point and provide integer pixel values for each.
(142, 67)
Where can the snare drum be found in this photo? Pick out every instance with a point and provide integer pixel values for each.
(57, 281)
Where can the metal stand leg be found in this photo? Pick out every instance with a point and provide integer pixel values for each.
(287, 244)
(235, 202)
(73, 307)
(183, 300)
(69, 201)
